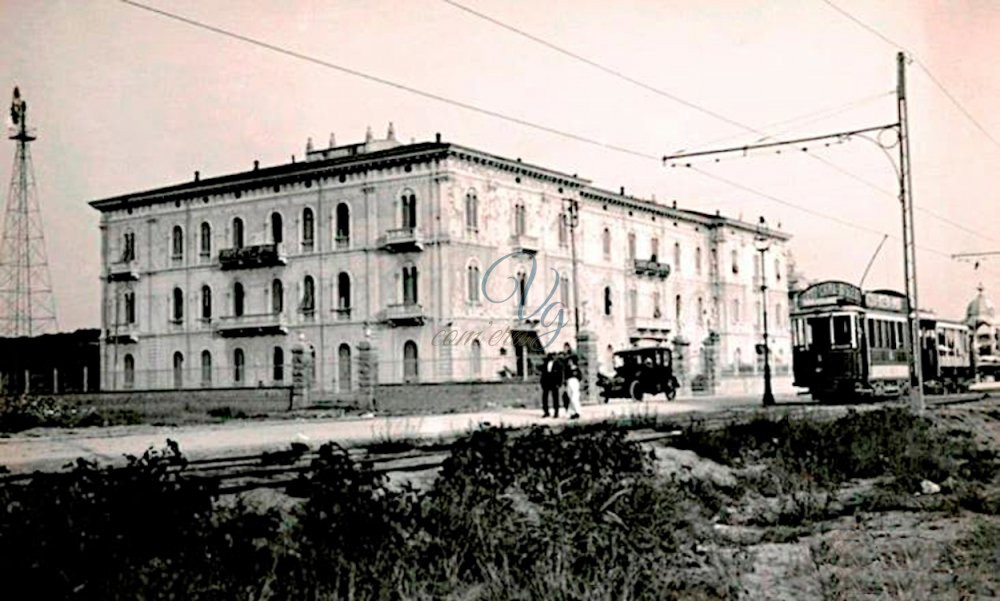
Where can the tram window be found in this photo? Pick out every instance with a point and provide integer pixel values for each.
(899, 335)
(842, 330)
(819, 332)
(871, 332)
(883, 334)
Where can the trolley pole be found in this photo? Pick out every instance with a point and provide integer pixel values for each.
(909, 244)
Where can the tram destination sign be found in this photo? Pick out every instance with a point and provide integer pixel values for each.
(830, 293)
(886, 300)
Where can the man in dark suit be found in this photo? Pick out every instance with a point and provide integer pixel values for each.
(551, 380)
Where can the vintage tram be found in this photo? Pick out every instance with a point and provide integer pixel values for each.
(850, 344)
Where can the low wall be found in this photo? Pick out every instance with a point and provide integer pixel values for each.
(161, 404)
(449, 397)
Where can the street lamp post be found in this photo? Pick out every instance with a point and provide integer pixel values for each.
(762, 244)
(573, 218)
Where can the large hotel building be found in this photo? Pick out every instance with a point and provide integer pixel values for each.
(210, 283)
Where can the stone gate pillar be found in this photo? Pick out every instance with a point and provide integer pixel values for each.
(367, 375)
(586, 350)
(301, 372)
(682, 367)
(710, 350)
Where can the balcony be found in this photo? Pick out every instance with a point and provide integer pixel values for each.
(403, 239)
(651, 268)
(524, 243)
(404, 314)
(655, 327)
(251, 257)
(123, 333)
(262, 324)
(123, 272)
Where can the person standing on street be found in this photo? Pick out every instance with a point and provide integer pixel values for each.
(551, 379)
(573, 384)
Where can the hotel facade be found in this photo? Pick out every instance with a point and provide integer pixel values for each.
(212, 282)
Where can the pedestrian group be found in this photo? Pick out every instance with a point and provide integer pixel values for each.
(561, 372)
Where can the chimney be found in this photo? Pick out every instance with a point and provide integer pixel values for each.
(675, 204)
(369, 136)
(621, 191)
(437, 137)
(256, 165)
(391, 134)
(333, 140)
(197, 175)
(309, 145)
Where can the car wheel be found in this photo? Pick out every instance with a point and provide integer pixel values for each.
(635, 391)
(671, 393)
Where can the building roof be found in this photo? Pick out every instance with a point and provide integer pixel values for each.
(374, 154)
(980, 310)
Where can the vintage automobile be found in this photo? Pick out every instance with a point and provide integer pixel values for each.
(639, 372)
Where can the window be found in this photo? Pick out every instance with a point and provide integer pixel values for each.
(607, 300)
(206, 368)
(777, 270)
(343, 233)
(178, 370)
(715, 261)
(736, 310)
(308, 229)
(277, 229)
(472, 283)
(206, 303)
(277, 296)
(701, 311)
(410, 285)
(408, 210)
(606, 243)
(278, 364)
(343, 292)
(308, 295)
(177, 243)
(842, 330)
(677, 309)
(237, 232)
(522, 289)
(656, 305)
(128, 247)
(410, 364)
(239, 365)
(471, 210)
(476, 358)
(697, 260)
(344, 367)
(736, 261)
(238, 299)
(633, 303)
(563, 230)
(130, 307)
(205, 239)
(178, 305)
(129, 369)
(520, 220)
(631, 246)
(564, 291)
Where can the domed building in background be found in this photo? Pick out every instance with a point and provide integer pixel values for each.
(980, 316)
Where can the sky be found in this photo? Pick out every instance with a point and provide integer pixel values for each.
(125, 100)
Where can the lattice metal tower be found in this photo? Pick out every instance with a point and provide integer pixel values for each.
(26, 302)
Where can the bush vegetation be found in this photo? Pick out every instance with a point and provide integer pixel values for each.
(19, 413)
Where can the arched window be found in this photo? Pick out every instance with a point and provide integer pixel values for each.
(129, 369)
(564, 291)
(237, 232)
(736, 310)
(701, 311)
(563, 230)
(410, 285)
(471, 210)
(308, 295)
(631, 246)
(128, 247)
(239, 366)
(410, 363)
(472, 283)
(520, 220)
(777, 270)
(206, 303)
(279, 364)
(607, 300)
(178, 370)
(408, 210)
(178, 305)
(277, 228)
(130, 307)
(633, 302)
(735, 257)
(238, 299)
(738, 359)
(677, 256)
(277, 296)
(476, 359)
(697, 260)
(177, 243)
(308, 229)
(657, 313)
(206, 368)
(522, 288)
(609, 356)
(344, 368)
(205, 239)
(606, 243)
(654, 249)
(344, 292)
(343, 233)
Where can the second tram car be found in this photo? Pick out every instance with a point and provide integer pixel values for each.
(849, 344)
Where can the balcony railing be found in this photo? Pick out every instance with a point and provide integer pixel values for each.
(648, 325)
(250, 257)
(123, 333)
(404, 314)
(261, 324)
(652, 268)
(123, 272)
(403, 239)
(524, 243)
